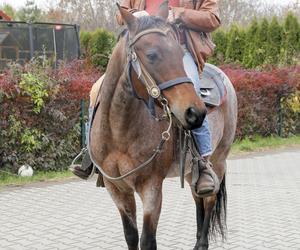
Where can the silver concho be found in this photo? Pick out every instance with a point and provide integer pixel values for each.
(154, 92)
(133, 56)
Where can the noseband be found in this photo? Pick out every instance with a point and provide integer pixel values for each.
(154, 90)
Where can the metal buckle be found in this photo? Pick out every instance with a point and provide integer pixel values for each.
(154, 92)
(133, 56)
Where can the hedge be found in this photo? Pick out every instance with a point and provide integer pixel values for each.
(260, 44)
(40, 109)
(268, 101)
(97, 46)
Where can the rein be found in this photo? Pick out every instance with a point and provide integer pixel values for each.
(154, 91)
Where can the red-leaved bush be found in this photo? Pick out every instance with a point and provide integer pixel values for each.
(48, 139)
(261, 95)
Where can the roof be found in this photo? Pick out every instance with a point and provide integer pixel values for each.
(3, 16)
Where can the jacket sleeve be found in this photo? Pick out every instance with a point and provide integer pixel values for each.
(206, 18)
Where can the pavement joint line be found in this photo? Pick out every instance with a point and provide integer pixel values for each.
(258, 189)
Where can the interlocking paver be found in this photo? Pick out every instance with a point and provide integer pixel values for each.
(263, 212)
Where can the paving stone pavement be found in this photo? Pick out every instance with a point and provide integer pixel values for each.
(263, 211)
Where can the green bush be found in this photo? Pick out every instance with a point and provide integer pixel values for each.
(220, 38)
(248, 56)
(261, 44)
(236, 44)
(34, 87)
(98, 46)
(85, 38)
(275, 37)
(291, 41)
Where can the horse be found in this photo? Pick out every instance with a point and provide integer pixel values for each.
(125, 136)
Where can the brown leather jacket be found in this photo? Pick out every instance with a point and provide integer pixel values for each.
(199, 18)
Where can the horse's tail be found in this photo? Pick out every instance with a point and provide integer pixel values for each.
(218, 225)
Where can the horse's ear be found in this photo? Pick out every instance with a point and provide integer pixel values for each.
(163, 10)
(129, 19)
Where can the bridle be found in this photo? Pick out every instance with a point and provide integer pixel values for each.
(155, 93)
(154, 90)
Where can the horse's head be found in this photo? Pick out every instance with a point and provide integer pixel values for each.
(157, 58)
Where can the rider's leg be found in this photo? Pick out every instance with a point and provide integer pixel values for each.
(85, 169)
(202, 135)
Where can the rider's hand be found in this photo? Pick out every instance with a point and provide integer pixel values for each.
(175, 14)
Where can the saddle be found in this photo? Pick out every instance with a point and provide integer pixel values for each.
(213, 91)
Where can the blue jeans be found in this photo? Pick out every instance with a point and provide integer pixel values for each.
(202, 135)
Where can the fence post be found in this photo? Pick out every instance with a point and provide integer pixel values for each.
(279, 123)
(77, 29)
(82, 125)
(31, 45)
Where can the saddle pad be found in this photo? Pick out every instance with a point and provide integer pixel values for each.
(213, 90)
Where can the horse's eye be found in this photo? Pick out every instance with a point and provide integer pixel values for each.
(152, 57)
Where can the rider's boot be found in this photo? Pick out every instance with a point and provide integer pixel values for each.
(85, 169)
(208, 182)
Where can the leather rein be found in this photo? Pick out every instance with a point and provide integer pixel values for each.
(155, 92)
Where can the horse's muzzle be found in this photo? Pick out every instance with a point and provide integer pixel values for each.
(194, 117)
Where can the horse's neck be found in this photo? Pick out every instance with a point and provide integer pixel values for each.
(118, 109)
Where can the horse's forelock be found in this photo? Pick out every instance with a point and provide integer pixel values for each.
(148, 22)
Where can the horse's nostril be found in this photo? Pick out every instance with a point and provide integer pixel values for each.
(194, 117)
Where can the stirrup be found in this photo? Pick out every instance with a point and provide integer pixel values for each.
(73, 165)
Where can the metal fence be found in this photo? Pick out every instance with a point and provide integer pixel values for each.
(21, 41)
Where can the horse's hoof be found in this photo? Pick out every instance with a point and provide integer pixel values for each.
(201, 247)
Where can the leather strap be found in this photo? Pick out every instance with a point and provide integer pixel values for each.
(145, 32)
(174, 82)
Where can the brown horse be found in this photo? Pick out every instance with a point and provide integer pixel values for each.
(124, 134)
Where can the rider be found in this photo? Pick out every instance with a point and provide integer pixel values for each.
(195, 19)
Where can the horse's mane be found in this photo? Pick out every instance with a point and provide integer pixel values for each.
(146, 22)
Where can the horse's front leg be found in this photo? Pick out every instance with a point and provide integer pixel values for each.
(199, 216)
(125, 202)
(204, 209)
(151, 195)
(207, 207)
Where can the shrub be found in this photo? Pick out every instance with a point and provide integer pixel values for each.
(264, 100)
(260, 44)
(85, 38)
(275, 37)
(100, 47)
(249, 45)
(291, 41)
(50, 138)
(220, 38)
(236, 44)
